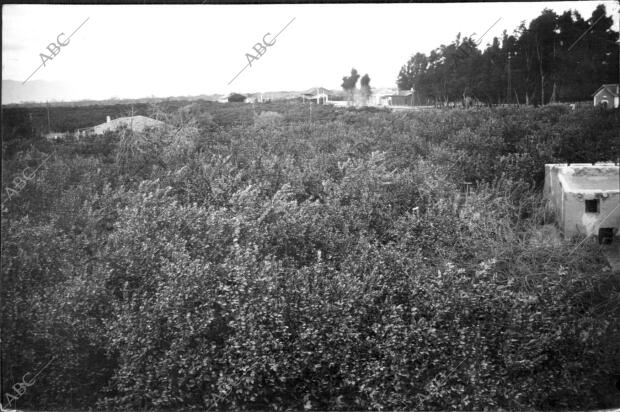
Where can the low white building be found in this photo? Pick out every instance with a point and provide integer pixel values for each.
(608, 95)
(319, 95)
(54, 135)
(134, 123)
(585, 197)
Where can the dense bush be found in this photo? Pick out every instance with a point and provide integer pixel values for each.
(327, 263)
(268, 119)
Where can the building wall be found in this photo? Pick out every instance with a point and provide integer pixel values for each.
(401, 100)
(102, 128)
(604, 95)
(553, 190)
(577, 221)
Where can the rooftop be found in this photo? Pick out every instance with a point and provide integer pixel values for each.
(589, 178)
(135, 121)
(613, 88)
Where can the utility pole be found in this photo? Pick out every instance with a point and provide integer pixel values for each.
(31, 124)
(509, 85)
(49, 129)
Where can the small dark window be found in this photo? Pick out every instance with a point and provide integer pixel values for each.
(605, 235)
(592, 205)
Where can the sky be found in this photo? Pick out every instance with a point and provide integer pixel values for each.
(134, 51)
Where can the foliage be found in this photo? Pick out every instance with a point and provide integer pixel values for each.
(333, 264)
(550, 60)
(268, 119)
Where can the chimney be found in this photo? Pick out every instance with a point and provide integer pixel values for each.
(107, 119)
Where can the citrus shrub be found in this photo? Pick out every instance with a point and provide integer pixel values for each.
(333, 263)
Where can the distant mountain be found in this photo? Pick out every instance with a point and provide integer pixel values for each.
(41, 91)
(32, 91)
(38, 92)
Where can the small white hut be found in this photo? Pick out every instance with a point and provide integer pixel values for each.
(585, 197)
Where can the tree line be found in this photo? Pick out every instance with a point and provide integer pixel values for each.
(554, 58)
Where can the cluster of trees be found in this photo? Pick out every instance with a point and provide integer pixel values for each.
(557, 57)
(283, 264)
(349, 86)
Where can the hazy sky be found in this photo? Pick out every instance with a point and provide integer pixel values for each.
(167, 50)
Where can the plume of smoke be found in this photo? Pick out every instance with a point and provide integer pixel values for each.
(365, 88)
(349, 83)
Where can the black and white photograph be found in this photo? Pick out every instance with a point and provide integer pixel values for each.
(234, 206)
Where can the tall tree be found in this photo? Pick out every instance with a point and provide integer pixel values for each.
(554, 57)
(543, 41)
